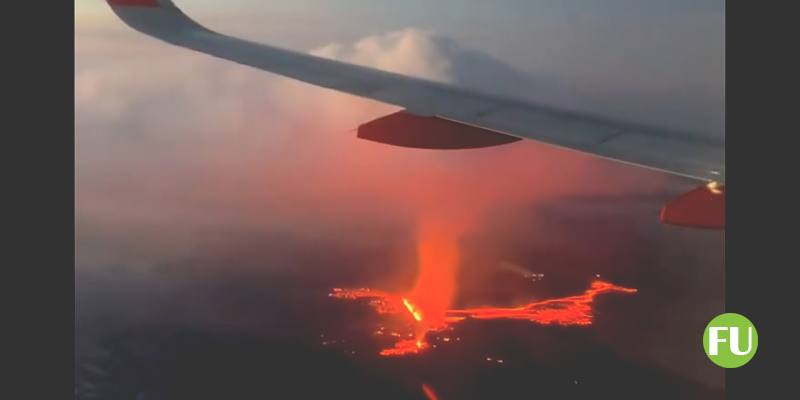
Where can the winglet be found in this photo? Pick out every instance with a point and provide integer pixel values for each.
(703, 207)
(158, 18)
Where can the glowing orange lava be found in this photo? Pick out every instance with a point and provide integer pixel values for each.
(382, 302)
(413, 310)
(405, 347)
(429, 393)
(566, 311)
(573, 310)
(435, 288)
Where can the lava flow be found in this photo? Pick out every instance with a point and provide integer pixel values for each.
(428, 306)
(572, 310)
(429, 393)
(567, 311)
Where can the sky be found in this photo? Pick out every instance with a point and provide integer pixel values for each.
(179, 154)
(659, 61)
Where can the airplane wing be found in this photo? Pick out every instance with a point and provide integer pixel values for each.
(441, 116)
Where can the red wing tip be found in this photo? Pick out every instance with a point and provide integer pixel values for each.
(702, 207)
(134, 3)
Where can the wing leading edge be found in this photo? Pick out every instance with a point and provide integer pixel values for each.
(673, 152)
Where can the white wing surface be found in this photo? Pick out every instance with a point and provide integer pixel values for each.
(673, 152)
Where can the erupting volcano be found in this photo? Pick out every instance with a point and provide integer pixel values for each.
(567, 311)
(428, 306)
(433, 293)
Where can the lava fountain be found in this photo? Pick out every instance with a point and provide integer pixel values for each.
(435, 288)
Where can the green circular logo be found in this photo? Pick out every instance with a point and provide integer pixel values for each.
(730, 340)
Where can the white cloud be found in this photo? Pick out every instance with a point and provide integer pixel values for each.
(165, 134)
